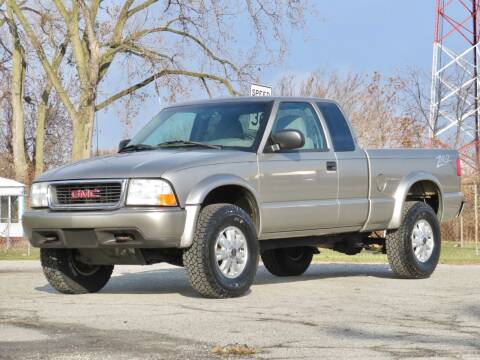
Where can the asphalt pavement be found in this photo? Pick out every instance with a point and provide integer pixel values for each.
(334, 311)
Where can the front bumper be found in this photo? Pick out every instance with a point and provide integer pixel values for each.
(125, 227)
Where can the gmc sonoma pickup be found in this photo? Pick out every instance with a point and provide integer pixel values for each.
(214, 185)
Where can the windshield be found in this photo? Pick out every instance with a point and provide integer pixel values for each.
(237, 125)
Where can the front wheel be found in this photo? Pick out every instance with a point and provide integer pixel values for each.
(289, 261)
(68, 275)
(223, 259)
(413, 250)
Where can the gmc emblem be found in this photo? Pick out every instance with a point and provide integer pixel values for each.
(85, 194)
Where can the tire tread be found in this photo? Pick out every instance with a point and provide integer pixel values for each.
(54, 264)
(276, 261)
(199, 274)
(401, 262)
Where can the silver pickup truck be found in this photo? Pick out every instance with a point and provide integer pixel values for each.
(214, 185)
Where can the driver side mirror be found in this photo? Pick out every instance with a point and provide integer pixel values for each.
(122, 144)
(287, 140)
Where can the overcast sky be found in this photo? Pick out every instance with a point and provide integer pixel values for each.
(348, 35)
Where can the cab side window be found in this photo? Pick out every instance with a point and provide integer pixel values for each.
(340, 133)
(301, 116)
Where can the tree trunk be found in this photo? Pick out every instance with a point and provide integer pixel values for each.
(40, 132)
(17, 89)
(82, 132)
(83, 124)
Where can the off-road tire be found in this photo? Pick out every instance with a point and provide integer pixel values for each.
(288, 261)
(200, 261)
(400, 252)
(61, 270)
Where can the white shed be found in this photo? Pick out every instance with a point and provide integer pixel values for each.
(12, 205)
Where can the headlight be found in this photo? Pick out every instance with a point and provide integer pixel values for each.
(150, 192)
(39, 195)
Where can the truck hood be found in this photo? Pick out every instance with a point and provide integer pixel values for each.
(140, 164)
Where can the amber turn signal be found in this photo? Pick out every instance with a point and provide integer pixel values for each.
(167, 200)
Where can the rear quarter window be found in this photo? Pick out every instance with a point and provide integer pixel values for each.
(340, 133)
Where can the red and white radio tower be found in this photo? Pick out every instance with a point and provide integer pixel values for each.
(454, 109)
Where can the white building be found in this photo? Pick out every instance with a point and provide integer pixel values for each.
(12, 205)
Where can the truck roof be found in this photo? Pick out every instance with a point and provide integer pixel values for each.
(249, 99)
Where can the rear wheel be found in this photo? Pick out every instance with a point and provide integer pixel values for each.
(413, 250)
(288, 261)
(68, 275)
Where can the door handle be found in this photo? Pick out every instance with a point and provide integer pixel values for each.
(331, 166)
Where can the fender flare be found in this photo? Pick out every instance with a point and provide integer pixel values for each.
(401, 193)
(199, 192)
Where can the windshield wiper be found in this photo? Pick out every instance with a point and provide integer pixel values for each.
(187, 143)
(137, 147)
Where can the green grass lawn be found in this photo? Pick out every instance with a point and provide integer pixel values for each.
(450, 255)
(19, 254)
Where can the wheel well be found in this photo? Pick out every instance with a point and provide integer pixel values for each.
(237, 195)
(426, 191)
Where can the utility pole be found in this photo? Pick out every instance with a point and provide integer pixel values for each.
(475, 204)
(475, 77)
(461, 231)
(475, 92)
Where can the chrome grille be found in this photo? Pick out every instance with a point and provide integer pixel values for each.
(97, 194)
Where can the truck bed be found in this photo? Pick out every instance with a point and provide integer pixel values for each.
(392, 172)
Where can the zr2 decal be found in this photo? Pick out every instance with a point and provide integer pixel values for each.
(443, 160)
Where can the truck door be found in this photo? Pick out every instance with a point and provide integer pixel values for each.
(352, 167)
(298, 187)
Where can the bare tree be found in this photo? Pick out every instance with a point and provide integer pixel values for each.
(16, 95)
(416, 101)
(169, 39)
(372, 102)
(6, 168)
(26, 97)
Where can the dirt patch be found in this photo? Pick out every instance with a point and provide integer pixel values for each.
(235, 350)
